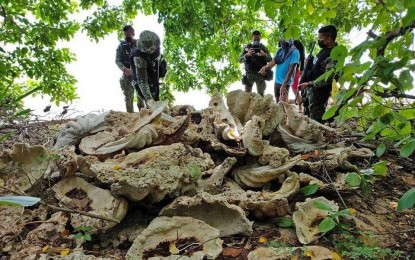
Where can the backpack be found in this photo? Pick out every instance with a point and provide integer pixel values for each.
(157, 69)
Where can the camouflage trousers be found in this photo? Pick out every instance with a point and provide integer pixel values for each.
(315, 102)
(255, 77)
(128, 90)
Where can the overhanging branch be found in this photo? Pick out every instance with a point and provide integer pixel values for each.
(390, 36)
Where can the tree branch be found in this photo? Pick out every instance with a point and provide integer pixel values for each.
(391, 35)
(394, 94)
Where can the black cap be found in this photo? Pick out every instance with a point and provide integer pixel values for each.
(127, 27)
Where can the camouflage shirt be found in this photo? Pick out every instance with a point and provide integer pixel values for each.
(142, 76)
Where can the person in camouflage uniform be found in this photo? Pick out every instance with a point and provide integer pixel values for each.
(254, 55)
(147, 52)
(316, 93)
(122, 59)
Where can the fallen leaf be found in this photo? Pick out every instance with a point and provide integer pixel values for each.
(409, 180)
(352, 211)
(335, 256)
(64, 252)
(232, 252)
(263, 240)
(294, 258)
(45, 248)
(305, 156)
(65, 233)
(117, 167)
(309, 253)
(173, 249)
(393, 205)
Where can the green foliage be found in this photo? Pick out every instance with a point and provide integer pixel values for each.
(408, 148)
(407, 201)
(309, 189)
(363, 179)
(380, 150)
(332, 219)
(284, 222)
(354, 248)
(195, 171)
(83, 232)
(353, 179)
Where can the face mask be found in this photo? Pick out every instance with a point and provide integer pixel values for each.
(255, 43)
(155, 54)
(284, 44)
(322, 44)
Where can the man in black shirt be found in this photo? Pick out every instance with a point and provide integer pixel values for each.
(317, 93)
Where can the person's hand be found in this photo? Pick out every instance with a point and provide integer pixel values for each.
(127, 72)
(263, 70)
(250, 53)
(261, 53)
(303, 86)
(283, 93)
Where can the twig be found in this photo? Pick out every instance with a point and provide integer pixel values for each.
(92, 215)
(201, 244)
(41, 222)
(389, 36)
(58, 250)
(13, 191)
(372, 34)
(331, 181)
(393, 232)
(394, 94)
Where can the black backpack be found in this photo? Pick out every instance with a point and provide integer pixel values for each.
(157, 69)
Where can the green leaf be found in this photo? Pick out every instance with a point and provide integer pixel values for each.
(78, 236)
(330, 112)
(331, 14)
(338, 53)
(353, 179)
(5, 136)
(79, 228)
(408, 148)
(380, 168)
(407, 201)
(366, 76)
(410, 16)
(380, 150)
(326, 225)
(296, 32)
(7, 203)
(284, 222)
(88, 229)
(309, 189)
(310, 7)
(87, 237)
(322, 206)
